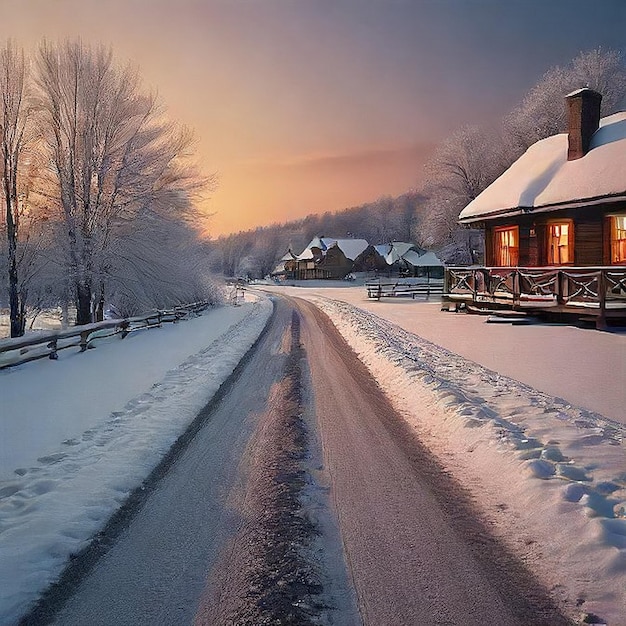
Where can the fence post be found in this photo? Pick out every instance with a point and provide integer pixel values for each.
(560, 280)
(601, 321)
(53, 350)
(84, 340)
(125, 325)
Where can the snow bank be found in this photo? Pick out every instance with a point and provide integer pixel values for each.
(116, 410)
(551, 477)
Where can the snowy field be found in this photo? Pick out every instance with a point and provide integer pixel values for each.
(548, 473)
(544, 457)
(78, 434)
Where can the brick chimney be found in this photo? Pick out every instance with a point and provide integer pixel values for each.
(583, 119)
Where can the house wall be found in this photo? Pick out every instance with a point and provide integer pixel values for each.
(335, 263)
(369, 260)
(591, 235)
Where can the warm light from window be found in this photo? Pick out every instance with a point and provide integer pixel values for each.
(618, 239)
(506, 246)
(560, 249)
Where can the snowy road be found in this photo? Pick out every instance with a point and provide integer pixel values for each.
(156, 570)
(188, 552)
(415, 551)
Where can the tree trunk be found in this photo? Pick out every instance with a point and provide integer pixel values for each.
(99, 309)
(83, 303)
(17, 305)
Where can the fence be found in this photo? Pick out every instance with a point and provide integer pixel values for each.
(380, 288)
(48, 344)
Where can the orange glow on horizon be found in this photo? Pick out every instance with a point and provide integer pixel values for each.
(259, 193)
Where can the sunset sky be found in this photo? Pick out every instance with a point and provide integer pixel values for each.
(304, 106)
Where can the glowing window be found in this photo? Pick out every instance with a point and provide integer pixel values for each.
(618, 239)
(560, 243)
(506, 246)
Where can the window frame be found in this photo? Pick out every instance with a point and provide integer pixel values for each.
(497, 249)
(613, 240)
(550, 224)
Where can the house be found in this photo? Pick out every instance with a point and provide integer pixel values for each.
(399, 257)
(555, 223)
(286, 267)
(330, 258)
(370, 260)
(325, 257)
(427, 264)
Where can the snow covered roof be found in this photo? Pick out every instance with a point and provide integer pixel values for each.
(383, 249)
(307, 253)
(351, 248)
(397, 251)
(542, 179)
(288, 256)
(429, 259)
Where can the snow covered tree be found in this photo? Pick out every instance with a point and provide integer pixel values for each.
(462, 167)
(13, 120)
(542, 112)
(115, 161)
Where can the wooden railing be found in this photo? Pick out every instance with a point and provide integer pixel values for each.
(593, 288)
(48, 344)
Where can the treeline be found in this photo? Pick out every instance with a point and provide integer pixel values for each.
(462, 167)
(97, 186)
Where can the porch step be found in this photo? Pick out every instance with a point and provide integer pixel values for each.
(496, 312)
(509, 319)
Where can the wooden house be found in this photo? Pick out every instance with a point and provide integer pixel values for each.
(555, 223)
(370, 260)
(286, 267)
(325, 257)
(399, 257)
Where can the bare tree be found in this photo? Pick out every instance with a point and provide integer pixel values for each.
(114, 158)
(13, 119)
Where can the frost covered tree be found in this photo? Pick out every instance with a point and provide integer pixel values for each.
(115, 161)
(542, 111)
(461, 168)
(13, 120)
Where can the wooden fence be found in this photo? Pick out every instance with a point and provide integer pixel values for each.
(48, 344)
(384, 288)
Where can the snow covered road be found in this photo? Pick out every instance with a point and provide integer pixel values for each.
(199, 542)
(82, 432)
(547, 477)
(416, 551)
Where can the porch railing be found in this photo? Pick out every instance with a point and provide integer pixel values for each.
(593, 288)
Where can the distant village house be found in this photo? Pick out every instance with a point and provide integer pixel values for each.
(329, 258)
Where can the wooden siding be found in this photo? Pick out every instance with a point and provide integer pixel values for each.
(591, 234)
(588, 244)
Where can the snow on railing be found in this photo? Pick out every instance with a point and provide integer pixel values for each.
(33, 346)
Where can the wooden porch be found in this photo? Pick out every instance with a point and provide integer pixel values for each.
(597, 293)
